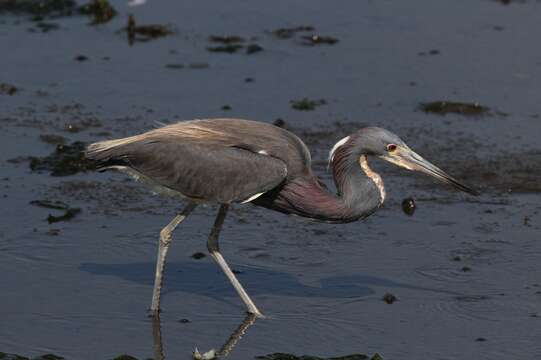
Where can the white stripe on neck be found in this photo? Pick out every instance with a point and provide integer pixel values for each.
(374, 176)
(336, 146)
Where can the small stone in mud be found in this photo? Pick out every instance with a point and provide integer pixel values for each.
(229, 48)
(279, 122)
(198, 255)
(253, 48)
(248, 80)
(389, 298)
(144, 32)
(480, 339)
(226, 107)
(286, 33)
(465, 269)
(174, 66)
(446, 107)
(312, 40)
(457, 258)
(81, 58)
(8, 89)
(434, 52)
(229, 39)
(306, 104)
(68, 215)
(408, 206)
(100, 10)
(184, 321)
(65, 160)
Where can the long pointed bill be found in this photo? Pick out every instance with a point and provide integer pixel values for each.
(409, 159)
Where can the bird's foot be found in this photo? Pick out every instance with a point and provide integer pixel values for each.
(209, 355)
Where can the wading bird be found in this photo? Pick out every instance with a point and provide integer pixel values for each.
(229, 161)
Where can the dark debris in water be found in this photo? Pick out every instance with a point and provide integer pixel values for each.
(228, 39)
(125, 357)
(389, 298)
(312, 40)
(286, 33)
(306, 104)
(174, 66)
(144, 33)
(65, 160)
(52, 8)
(69, 213)
(198, 255)
(8, 89)
(446, 107)
(253, 48)
(285, 356)
(50, 204)
(228, 48)
(6, 356)
(408, 206)
(100, 11)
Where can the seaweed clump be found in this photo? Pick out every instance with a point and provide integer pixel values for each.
(65, 160)
(100, 10)
(231, 44)
(446, 107)
(284, 356)
(8, 89)
(286, 33)
(38, 8)
(306, 104)
(312, 40)
(145, 32)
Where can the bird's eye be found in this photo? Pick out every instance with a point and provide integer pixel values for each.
(391, 147)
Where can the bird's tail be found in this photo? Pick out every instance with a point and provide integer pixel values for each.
(109, 153)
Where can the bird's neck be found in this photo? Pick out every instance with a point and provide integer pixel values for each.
(359, 188)
(358, 194)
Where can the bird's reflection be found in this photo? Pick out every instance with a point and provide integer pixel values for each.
(224, 351)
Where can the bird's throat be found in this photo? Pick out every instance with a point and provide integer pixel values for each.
(374, 176)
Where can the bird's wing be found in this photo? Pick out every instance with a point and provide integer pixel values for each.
(207, 172)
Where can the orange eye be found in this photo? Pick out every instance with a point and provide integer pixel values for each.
(391, 147)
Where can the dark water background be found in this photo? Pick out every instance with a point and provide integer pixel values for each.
(463, 269)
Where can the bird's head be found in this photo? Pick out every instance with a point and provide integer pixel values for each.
(384, 144)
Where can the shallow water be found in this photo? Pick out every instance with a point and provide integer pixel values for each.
(462, 268)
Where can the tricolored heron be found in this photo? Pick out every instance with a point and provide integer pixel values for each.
(229, 161)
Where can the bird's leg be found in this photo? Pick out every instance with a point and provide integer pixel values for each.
(163, 247)
(157, 337)
(214, 250)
